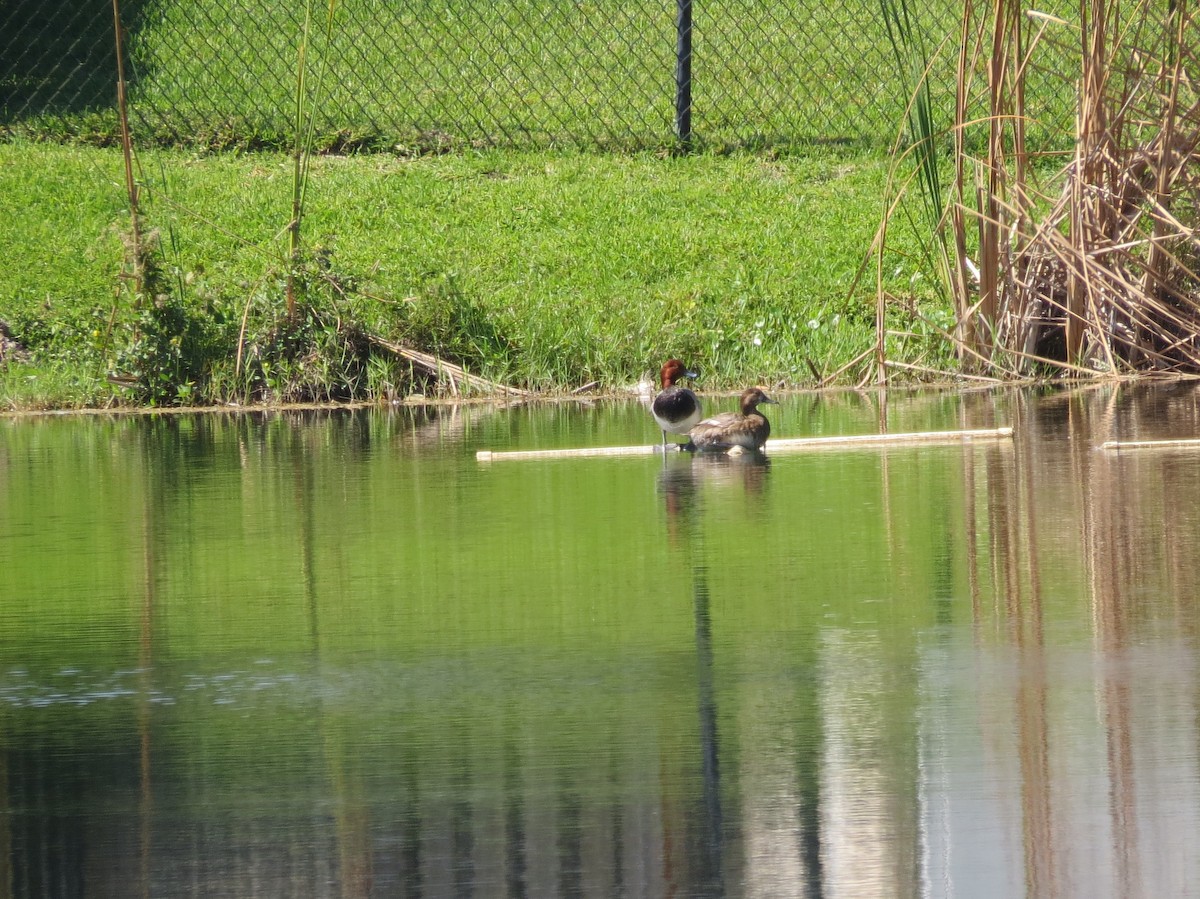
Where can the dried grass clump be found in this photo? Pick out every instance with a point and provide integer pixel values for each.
(1108, 277)
(1089, 266)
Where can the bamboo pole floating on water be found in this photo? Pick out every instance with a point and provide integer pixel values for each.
(1183, 443)
(773, 446)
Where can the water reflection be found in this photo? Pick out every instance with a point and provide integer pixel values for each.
(684, 477)
(1058, 517)
(317, 655)
(680, 483)
(776, 823)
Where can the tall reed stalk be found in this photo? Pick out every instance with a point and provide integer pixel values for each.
(913, 63)
(131, 187)
(304, 127)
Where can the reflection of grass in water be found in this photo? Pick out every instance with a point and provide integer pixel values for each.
(436, 684)
(441, 569)
(431, 620)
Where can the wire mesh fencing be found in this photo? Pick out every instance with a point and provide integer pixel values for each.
(433, 73)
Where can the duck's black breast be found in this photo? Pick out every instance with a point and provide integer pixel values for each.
(675, 402)
(676, 407)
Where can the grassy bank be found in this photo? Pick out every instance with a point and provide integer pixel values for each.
(542, 270)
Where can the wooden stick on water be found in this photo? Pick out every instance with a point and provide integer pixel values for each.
(1184, 443)
(773, 446)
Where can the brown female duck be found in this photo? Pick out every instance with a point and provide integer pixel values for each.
(748, 429)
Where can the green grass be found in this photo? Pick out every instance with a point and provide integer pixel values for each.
(543, 269)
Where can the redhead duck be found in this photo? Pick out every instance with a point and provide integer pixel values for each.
(676, 409)
(748, 429)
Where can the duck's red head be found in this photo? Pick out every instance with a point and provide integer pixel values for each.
(673, 370)
(752, 398)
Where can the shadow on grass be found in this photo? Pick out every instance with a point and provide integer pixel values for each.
(57, 56)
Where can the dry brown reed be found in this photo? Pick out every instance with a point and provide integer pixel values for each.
(1088, 266)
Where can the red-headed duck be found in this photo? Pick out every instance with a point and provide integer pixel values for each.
(676, 409)
(748, 429)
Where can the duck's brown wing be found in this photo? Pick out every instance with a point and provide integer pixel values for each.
(725, 431)
(713, 433)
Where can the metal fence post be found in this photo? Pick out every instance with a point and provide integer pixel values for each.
(683, 71)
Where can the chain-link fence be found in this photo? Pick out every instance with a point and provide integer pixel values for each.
(622, 73)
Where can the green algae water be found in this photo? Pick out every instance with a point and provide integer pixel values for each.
(331, 654)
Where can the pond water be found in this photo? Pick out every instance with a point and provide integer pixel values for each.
(331, 654)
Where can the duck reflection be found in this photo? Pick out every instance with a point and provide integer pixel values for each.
(681, 476)
(677, 486)
(759, 822)
(681, 484)
(749, 469)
